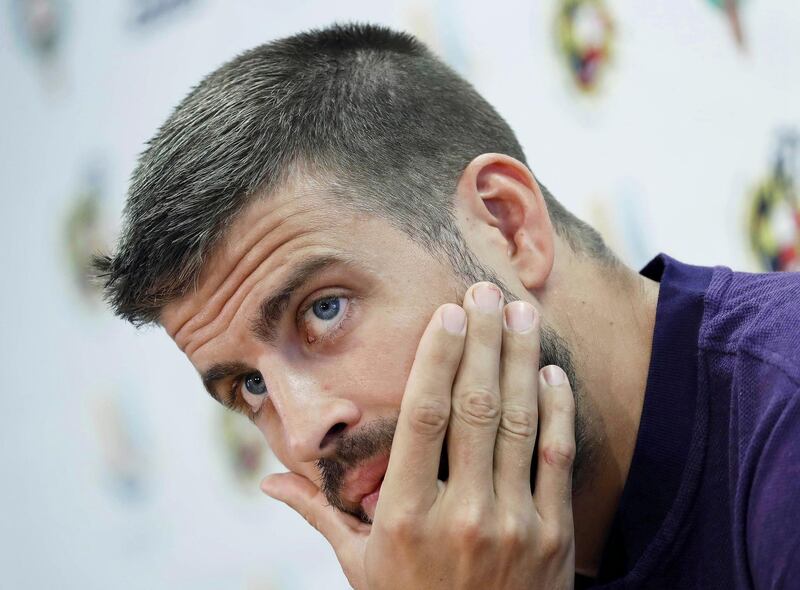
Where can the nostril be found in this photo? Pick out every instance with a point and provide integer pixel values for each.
(332, 434)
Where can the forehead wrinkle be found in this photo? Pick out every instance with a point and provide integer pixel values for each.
(240, 255)
(237, 301)
(271, 309)
(239, 276)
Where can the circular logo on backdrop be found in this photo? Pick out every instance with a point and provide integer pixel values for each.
(146, 13)
(40, 24)
(436, 23)
(585, 34)
(86, 232)
(123, 443)
(732, 12)
(774, 212)
(246, 452)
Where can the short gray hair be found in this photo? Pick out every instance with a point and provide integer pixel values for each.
(368, 106)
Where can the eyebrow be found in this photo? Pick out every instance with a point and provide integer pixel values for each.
(265, 324)
(273, 307)
(216, 373)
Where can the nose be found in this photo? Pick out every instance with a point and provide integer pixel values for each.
(312, 419)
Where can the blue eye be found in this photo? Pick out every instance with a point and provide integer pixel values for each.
(254, 383)
(326, 309)
(325, 317)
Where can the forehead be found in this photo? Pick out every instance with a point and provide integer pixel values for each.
(269, 236)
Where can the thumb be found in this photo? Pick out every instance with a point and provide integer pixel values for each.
(305, 498)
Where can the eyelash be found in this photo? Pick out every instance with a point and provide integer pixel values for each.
(328, 336)
(237, 403)
(237, 400)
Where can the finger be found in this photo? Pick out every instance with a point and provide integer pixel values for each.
(411, 477)
(475, 410)
(300, 494)
(553, 493)
(519, 382)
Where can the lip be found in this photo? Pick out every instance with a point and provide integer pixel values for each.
(364, 480)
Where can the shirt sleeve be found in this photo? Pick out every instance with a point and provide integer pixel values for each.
(773, 521)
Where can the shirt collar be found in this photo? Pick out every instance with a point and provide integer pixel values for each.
(666, 425)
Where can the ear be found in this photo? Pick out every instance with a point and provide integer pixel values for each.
(499, 191)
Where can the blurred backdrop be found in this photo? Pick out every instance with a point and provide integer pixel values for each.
(669, 124)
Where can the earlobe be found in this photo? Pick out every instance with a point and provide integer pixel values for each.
(501, 193)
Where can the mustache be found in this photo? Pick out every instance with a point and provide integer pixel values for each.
(353, 449)
(375, 439)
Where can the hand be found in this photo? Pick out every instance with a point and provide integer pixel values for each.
(480, 386)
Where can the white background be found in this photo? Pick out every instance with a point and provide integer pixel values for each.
(662, 159)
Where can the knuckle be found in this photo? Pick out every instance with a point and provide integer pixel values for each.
(478, 406)
(554, 543)
(562, 404)
(566, 405)
(471, 529)
(443, 353)
(559, 453)
(516, 533)
(521, 345)
(429, 417)
(518, 422)
(401, 528)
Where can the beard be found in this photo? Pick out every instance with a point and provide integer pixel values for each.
(375, 438)
(353, 449)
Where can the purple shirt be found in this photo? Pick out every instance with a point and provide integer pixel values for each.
(712, 499)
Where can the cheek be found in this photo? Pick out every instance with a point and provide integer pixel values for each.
(384, 362)
(269, 426)
(371, 373)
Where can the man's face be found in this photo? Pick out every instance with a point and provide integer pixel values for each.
(307, 319)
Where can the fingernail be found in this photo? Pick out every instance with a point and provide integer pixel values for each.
(486, 296)
(453, 318)
(554, 375)
(519, 316)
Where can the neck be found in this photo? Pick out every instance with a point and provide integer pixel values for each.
(609, 325)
